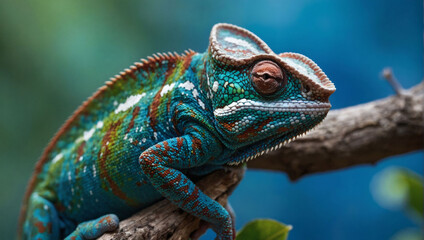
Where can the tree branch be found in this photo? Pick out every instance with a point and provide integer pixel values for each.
(362, 134)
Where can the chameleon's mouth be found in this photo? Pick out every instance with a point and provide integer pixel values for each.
(280, 106)
(267, 145)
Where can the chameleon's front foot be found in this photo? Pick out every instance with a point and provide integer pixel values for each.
(220, 234)
(225, 231)
(204, 226)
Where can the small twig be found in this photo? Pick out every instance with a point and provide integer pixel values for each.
(390, 77)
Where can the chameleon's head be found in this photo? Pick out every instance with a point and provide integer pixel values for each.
(261, 99)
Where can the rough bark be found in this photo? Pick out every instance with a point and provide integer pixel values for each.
(363, 134)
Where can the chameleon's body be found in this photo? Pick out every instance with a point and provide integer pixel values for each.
(135, 141)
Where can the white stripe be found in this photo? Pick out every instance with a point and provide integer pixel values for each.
(131, 101)
(279, 106)
(57, 157)
(166, 88)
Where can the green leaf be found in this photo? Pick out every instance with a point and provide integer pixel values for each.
(398, 188)
(415, 193)
(408, 234)
(264, 229)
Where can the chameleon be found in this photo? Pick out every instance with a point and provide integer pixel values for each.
(143, 134)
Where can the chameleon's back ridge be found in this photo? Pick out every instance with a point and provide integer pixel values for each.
(138, 137)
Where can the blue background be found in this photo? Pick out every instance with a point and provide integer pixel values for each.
(54, 54)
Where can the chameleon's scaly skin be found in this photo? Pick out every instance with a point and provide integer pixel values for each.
(139, 137)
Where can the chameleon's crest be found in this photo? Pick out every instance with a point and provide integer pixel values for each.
(235, 46)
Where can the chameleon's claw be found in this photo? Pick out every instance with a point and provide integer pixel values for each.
(230, 210)
(225, 231)
(204, 226)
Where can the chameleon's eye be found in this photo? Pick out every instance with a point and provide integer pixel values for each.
(267, 77)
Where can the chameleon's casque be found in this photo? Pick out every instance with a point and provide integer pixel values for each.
(138, 137)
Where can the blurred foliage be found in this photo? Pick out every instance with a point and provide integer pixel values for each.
(408, 234)
(401, 189)
(398, 188)
(264, 229)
